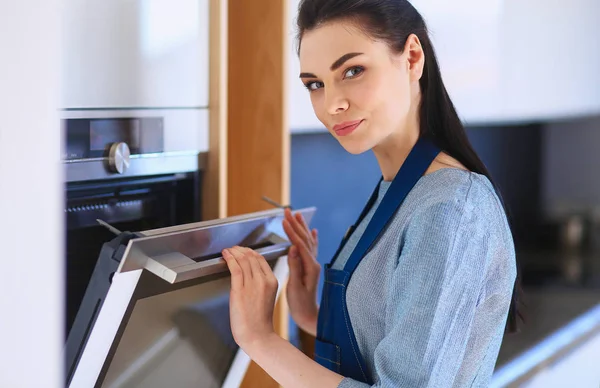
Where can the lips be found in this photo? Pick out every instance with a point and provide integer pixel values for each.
(346, 127)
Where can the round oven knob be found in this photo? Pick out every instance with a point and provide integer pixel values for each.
(118, 157)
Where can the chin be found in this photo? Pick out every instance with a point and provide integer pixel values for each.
(357, 142)
(353, 147)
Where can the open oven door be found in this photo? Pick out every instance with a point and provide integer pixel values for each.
(156, 312)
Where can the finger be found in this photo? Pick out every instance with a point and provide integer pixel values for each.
(293, 252)
(289, 230)
(237, 276)
(239, 255)
(310, 264)
(291, 233)
(315, 236)
(302, 221)
(304, 251)
(295, 265)
(268, 276)
(296, 240)
(299, 228)
(253, 259)
(299, 236)
(264, 266)
(287, 214)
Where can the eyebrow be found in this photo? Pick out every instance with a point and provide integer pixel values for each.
(335, 65)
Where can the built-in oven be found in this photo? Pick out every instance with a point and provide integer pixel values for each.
(132, 169)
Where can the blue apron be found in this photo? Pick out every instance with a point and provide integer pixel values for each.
(336, 347)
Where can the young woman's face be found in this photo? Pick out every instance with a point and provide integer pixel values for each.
(360, 90)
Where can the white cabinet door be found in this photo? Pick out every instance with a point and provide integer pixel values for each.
(135, 53)
(517, 60)
(550, 59)
(300, 112)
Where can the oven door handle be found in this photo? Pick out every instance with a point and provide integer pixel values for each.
(189, 269)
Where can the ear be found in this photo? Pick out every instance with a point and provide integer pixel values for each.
(415, 57)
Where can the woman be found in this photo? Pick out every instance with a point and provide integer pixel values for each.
(420, 292)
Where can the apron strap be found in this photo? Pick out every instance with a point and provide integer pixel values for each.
(418, 161)
(352, 227)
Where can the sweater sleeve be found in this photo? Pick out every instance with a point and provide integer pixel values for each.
(432, 299)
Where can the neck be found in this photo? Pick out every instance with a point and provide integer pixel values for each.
(393, 150)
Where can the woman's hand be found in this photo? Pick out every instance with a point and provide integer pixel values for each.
(252, 296)
(251, 305)
(304, 272)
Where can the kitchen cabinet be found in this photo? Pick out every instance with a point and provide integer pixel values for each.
(203, 65)
(135, 54)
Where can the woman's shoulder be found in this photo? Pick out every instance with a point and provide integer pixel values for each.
(454, 185)
(460, 209)
(452, 194)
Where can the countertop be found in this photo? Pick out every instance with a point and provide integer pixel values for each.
(547, 310)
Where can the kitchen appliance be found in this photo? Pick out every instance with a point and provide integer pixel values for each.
(135, 109)
(137, 169)
(156, 312)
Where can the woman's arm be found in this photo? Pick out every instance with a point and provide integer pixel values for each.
(447, 298)
(252, 301)
(455, 261)
(289, 366)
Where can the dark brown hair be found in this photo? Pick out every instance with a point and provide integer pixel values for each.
(393, 21)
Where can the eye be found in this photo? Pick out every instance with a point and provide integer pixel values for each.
(313, 85)
(353, 72)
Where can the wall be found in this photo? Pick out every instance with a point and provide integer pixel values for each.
(514, 157)
(571, 161)
(30, 196)
(135, 54)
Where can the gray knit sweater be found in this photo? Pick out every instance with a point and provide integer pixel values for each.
(429, 302)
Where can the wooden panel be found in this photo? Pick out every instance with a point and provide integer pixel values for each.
(257, 138)
(258, 145)
(214, 183)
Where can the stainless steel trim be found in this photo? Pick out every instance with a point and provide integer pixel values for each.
(141, 165)
(178, 253)
(212, 223)
(187, 270)
(138, 156)
(562, 342)
(184, 129)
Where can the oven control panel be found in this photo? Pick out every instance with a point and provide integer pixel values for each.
(112, 138)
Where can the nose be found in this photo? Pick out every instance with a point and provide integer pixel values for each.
(335, 101)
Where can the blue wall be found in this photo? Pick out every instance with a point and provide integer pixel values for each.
(338, 183)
